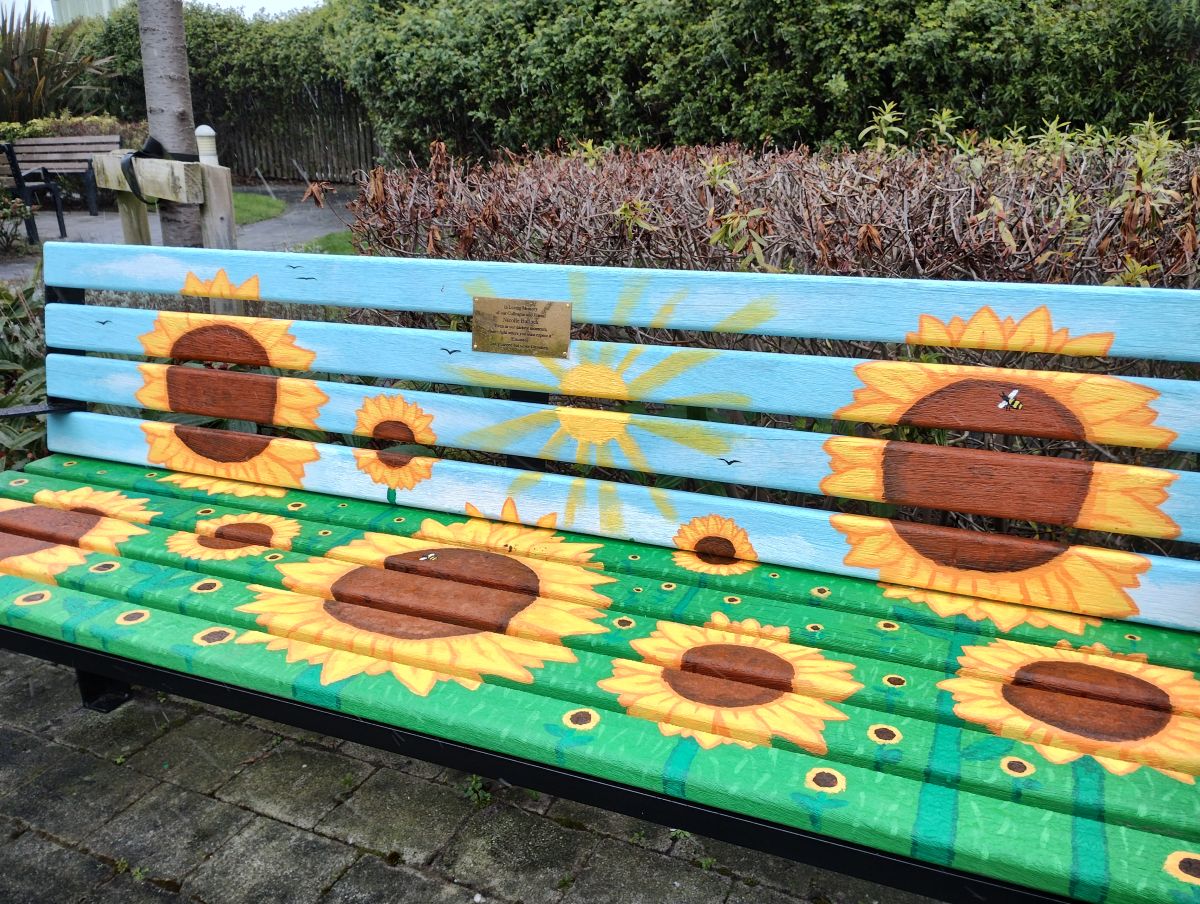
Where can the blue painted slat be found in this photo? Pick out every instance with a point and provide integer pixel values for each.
(806, 386)
(1160, 590)
(685, 448)
(1132, 322)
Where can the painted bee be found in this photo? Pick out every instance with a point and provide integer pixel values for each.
(1011, 401)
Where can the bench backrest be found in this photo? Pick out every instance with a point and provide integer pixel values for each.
(552, 411)
(63, 154)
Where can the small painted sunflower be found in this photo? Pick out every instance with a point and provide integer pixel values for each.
(235, 456)
(1068, 703)
(389, 420)
(830, 781)
(109, 503)
(1081, 579)
(1035, 332)
(234, 536)
(728, 684)
(1004, 616)
(1184, 866)
(258, 398)
(439, 611)
(239, 340)
(711, 544)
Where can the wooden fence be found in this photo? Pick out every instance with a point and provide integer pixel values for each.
(322, 132)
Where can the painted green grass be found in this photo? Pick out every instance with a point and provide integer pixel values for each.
(333, 243)
(251, 208)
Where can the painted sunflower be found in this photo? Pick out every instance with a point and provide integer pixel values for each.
(1081, 579)
(201, 390)
(215, 486)
(236, 456)
(1067, 703)
(109, 503)
(712, 544)
(1095, 407)
(240, 340)
(389, 420)
(1034, 332)
(68, 533)
(441, 607)
(729, 683)
(220, 286)
(1004, 616)
(1092, 495)
(234, 536)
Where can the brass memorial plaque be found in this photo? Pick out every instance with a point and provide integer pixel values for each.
(517, 326)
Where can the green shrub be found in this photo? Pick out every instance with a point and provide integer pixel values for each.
(22, 371)
(44, 69)
(485, 75)
(133, 134)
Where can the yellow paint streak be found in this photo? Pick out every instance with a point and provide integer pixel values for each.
(713, 399)
(668, 369)
(705, 438)
(662, 317)
(611, 518)
(631, 295)
(633, 453)
(488, 378)
(662, 501)
(576, 496)
(754, 314)
(497, 437)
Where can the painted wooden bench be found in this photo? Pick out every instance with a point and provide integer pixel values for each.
(36, 163)
(967, 714)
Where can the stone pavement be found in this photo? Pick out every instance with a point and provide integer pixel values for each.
(165, 800)
(295, 226)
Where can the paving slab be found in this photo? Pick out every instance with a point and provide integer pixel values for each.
(296, 784)
(203, 753)
(124, 731)
(24, 756)
(614, 825)
(36, 870)
(744, 863)
(15, 665)
(270, 862)
(620, 873)
(511, 853)
(125, 889)
(371, 881)
(168, 832)
(296, 734)
(75, 796)
(399, 814)
(34, 700)
(391, 760)
(760, 894)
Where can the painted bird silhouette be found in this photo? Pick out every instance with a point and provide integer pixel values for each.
(104, 322)
(731, 461)
(306, 277)
(294, 266)
(452, 351)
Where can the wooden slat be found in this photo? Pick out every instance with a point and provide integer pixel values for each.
(1097, 496)
(1132, 322)
(103, 141)
(1156, 413)
(1083, 579)
(170, 180)
(883, 810)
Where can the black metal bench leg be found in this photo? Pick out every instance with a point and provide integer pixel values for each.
(89, 189)
(30, 222)
(99, 693)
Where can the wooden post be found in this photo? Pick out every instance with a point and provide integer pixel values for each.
(208, 186)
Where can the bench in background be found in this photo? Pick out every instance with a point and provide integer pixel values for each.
(964, 713)
(35, 163)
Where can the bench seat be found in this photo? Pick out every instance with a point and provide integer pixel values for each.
(866, 712)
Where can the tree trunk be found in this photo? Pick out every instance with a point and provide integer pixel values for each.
(169, 104)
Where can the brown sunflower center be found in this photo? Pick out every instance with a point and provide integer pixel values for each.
(976, 552)
(1089, 700)
(33, 528)
(435, 593)
(1190, 866)
(237, 536)
(220, 342)
(716, 551)
(730, 675)
(222, 445)
(974, 405)
(201, 390)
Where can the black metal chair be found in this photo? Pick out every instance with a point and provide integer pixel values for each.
(27, 185)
